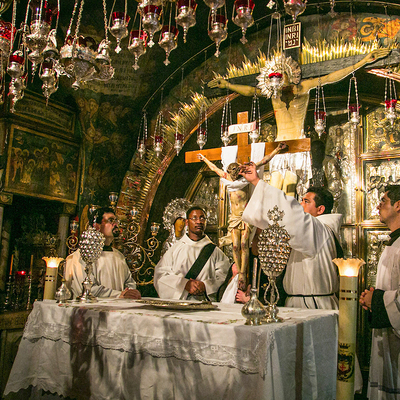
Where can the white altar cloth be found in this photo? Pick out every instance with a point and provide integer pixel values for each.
(119, 349)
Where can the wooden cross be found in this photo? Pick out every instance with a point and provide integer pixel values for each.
(244, 148)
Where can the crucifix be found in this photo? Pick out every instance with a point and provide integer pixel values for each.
(238, 230)
(242, 128)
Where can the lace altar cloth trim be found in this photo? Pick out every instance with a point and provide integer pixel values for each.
(213, 338)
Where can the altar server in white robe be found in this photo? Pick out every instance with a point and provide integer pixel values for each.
(383, 302)
(111, 276)
(174, 277)
(311, 278)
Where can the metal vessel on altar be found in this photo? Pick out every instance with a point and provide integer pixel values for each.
(137, 45)
(217, 30)
(119, 27)
(273, 253)
(90, 246)
(186, 15)
(151, 20)
(295, 7)
(244, 16)
(168, 40)
(390, 110)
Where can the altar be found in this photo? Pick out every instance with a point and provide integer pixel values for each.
(121, 349)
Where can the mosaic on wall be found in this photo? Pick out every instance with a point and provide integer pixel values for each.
(43, 166)
(381, 135)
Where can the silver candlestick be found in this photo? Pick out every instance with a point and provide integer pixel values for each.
(91, 246)
(273, 252)
(253, 310)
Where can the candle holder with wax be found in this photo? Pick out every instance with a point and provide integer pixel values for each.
(348, 304)
(50, 282)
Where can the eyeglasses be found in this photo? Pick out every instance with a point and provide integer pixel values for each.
(201, 219)
(111, 221)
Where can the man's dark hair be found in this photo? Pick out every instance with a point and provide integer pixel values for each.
(194, 208)
(393, 192)
(97, 215)
(323, 197)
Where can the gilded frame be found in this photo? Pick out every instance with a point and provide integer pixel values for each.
(43, 166)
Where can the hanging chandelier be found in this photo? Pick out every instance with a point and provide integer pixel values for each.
(295, 7)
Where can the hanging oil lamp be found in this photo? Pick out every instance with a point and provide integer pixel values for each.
(256, 116)
(226, 121)
(217, 30)
(158, 135)
(178, 135)
(6, 32)
(186, 15)
(36, 36)
(276, 83)
(202, 129)
(244, 16)
(390, 101)
(319, 115)
(137, 45)
(141, 145)
(48, 76)
(214, 4)
(168, 40)
(353, 109)
(151, 20)
(16, 69)
(295, 7)
(119, 27)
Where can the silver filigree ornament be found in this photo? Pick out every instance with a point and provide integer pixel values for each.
(91, 246)
(273, 253)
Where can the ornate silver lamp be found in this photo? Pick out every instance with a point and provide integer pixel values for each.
(91, 246)
(274, 252)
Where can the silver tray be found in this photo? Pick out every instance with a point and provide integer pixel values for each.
(179, 305)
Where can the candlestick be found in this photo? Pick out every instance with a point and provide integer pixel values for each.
(254, 285)
(12, 261)
(50, 282)
(31, 266)
(348, 303)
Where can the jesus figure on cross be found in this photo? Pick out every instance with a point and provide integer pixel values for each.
(238, 230)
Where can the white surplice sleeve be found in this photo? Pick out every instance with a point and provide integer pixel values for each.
(307, 233)
(168, 284)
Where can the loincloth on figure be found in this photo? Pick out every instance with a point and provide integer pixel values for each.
(234, 222)
(297, 163)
